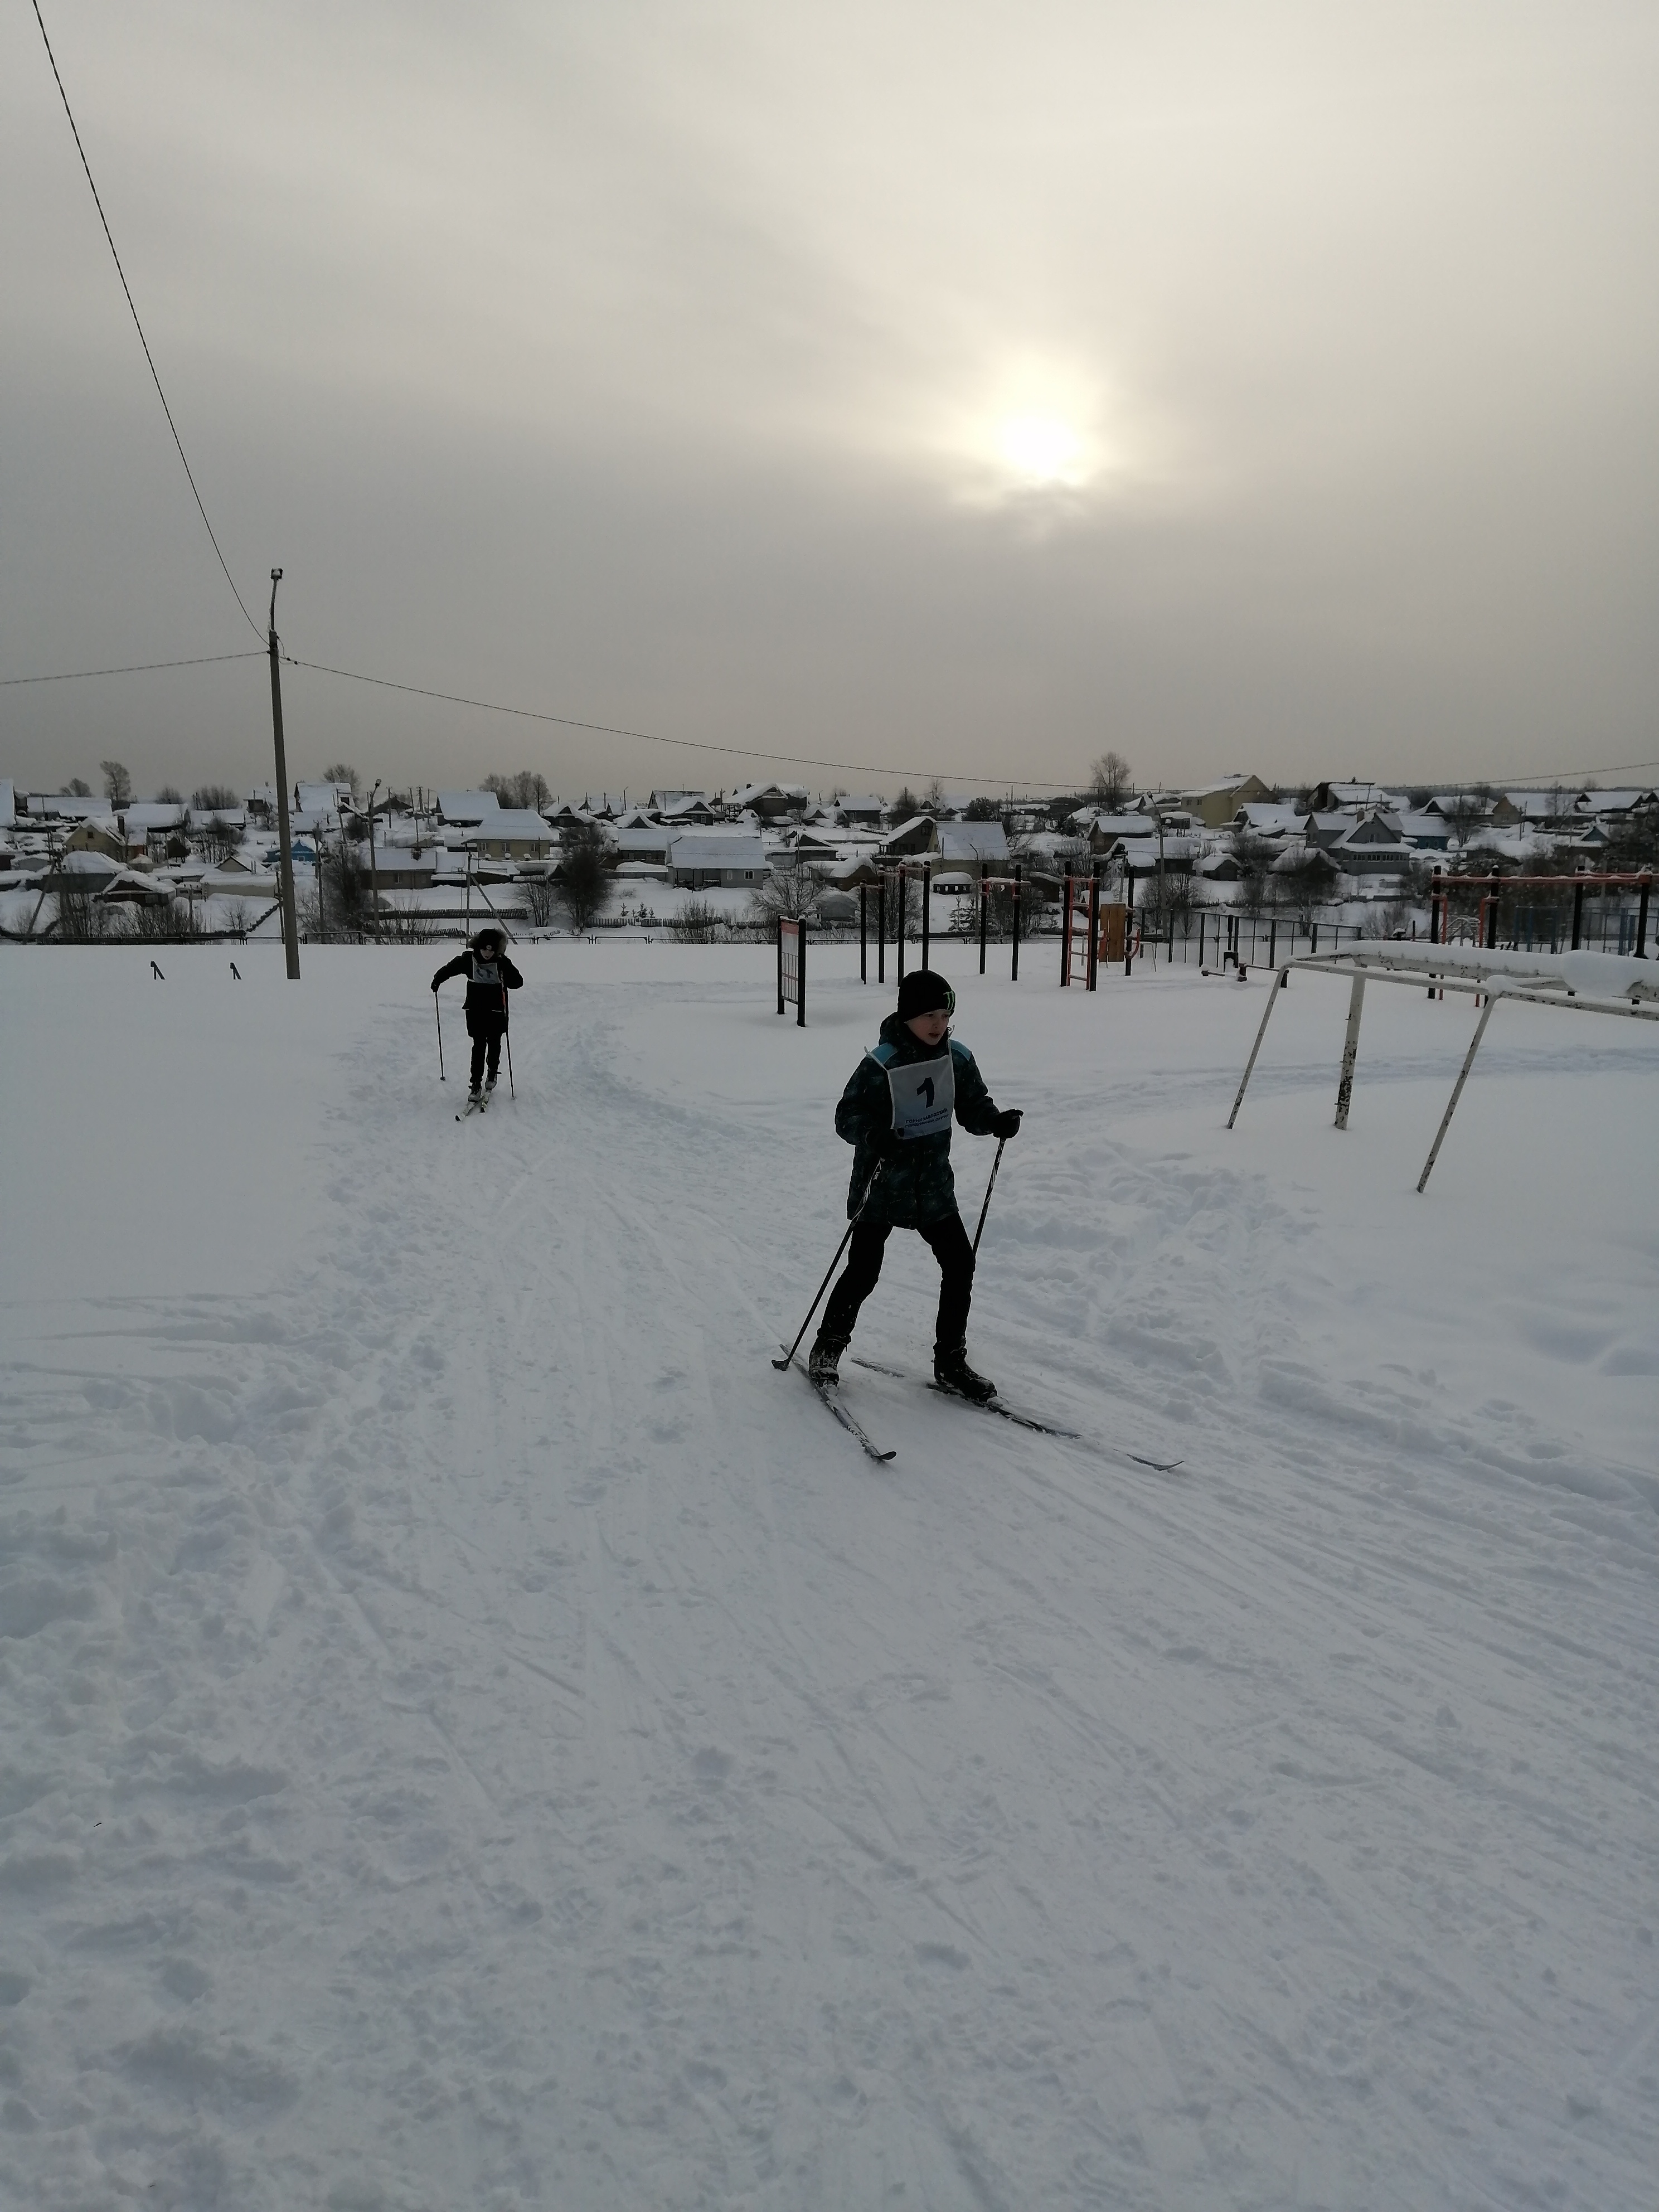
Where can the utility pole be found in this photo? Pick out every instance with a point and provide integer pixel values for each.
(285, 849)
(374, 881)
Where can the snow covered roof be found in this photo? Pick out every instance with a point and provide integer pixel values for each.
(1614, 802)
(515, 821)
(975, 841)
(646, 839)
(147, 814)
(747, 794)
(468, 808)
(321, 798)
(706, 849)
(1264, 820)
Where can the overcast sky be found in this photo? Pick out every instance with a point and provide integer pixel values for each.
(947, 388)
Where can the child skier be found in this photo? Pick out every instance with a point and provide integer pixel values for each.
(895, 1113)
(489, 976)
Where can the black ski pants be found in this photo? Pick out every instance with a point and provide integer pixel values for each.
(948, 1240)
(487, 1045)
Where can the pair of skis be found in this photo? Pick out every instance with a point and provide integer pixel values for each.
(475, 1104)
(832, 1401)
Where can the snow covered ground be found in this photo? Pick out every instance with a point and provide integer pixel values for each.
(472, 1734)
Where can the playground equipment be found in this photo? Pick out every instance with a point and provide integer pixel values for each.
(1580, 982)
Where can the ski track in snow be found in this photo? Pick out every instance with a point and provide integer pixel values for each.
(475, 1734)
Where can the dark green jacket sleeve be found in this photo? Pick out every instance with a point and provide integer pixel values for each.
(865, 1111)
(976, 1109)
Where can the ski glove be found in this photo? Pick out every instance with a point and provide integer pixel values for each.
(1007, 1123)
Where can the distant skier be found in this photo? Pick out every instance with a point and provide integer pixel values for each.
(489, 976)
(895, 1113)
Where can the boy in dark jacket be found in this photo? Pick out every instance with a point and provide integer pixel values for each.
(489, 976)
(895, 1113)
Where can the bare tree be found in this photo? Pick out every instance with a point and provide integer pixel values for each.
(77, 787)
(217, 838)
(1256, 856)
(906, 805)
(1109, 780)
(170, 795)
(697, 922)
(527, 787)
(541, 898)
(117, 784)
(791, 890)
(1465, 812)
(343, 772)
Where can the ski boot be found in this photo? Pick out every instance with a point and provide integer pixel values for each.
(824, 1361)
(952, 1372)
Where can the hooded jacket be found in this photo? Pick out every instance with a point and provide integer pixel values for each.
(917, 1187)
(488, 982)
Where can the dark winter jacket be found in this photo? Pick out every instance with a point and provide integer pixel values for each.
(916, 1186)
(488, 982)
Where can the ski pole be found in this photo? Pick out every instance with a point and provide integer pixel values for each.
(442, 1078)
(507, 1038)
(788, 1357)
(989, 1188)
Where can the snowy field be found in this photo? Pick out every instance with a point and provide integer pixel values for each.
(472, 1735)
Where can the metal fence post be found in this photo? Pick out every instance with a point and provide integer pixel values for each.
(881, 926)
(984, 903)
(1578, 911)
(926, 912)
(1065, 934)
(1014, 978)
(1642, 915)
(901, 889)
(780, 964)
(801, 975)
(1129, 918)
(863, 915)
(1094, 927)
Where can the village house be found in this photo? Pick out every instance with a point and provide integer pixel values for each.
(701, 858)
(1214, 804)
(770, 801)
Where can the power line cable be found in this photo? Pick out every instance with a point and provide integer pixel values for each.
(650, 737)
(138, 326)
(812, 760)
(136, 668)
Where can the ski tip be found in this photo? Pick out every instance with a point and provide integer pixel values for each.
(1159, 1466)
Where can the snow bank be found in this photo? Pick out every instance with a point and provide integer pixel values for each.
(470, 1733)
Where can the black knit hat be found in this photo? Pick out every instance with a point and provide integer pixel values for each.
(922, 992)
